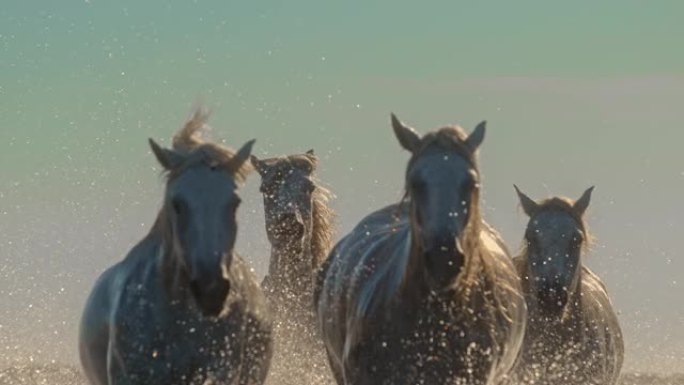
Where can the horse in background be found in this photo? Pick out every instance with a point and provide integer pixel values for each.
(424, 291)
(299, 227)
(573, 336)
(182, 307)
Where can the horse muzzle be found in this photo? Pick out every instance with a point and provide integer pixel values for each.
(210, 296)
(287, 226)
(552, 297)
(443, 261)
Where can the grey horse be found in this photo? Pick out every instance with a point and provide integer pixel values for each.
(299, 227)
(182, 307)
(424, 291)
(573, 336)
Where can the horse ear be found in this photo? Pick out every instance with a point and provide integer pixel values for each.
(529, 206)
(313, 159)
(582, 204)
(258, 164)
(242, 155)
(477, 136)
(168, 158)
(408, 137)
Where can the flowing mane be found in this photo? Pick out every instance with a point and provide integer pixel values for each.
(323, 225)
(190, 143)
(449, 137)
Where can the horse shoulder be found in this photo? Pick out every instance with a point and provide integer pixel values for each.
(94, 327)
(601, 321)
(343, 298)
(596, 298)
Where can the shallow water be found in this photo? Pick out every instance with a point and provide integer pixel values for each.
(69, 375)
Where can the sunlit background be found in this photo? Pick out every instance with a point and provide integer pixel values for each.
(575, 94)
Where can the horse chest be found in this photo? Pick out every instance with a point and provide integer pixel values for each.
(566, 352)
(168, 344)
(424, 346)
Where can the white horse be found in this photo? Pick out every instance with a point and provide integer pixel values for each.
(182, 307)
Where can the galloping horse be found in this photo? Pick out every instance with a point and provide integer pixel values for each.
(298, 225)
(573, 335)
(424, 291)
(299, 228)
(182, 307)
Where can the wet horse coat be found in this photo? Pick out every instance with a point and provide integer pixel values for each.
(182, 307)
(424, 295)
(573, 335)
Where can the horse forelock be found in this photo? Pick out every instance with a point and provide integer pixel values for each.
(190, 143)
(451, 138)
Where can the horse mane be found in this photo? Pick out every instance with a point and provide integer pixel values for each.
(323, 225)
(448, 137)
(189, 141)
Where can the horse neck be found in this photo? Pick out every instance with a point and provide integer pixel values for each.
(172, 279)
(291, 267)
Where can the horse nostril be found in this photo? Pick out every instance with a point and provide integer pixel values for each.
(287, 218)
(195, 288)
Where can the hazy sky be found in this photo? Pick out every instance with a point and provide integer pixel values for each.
(575, 94)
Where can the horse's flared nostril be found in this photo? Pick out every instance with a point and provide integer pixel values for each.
(195, 288)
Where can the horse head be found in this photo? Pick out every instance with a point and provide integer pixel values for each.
(199, 215)
(442, 185)
(554, 239)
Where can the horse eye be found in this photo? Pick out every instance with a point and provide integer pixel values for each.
(179, 206)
